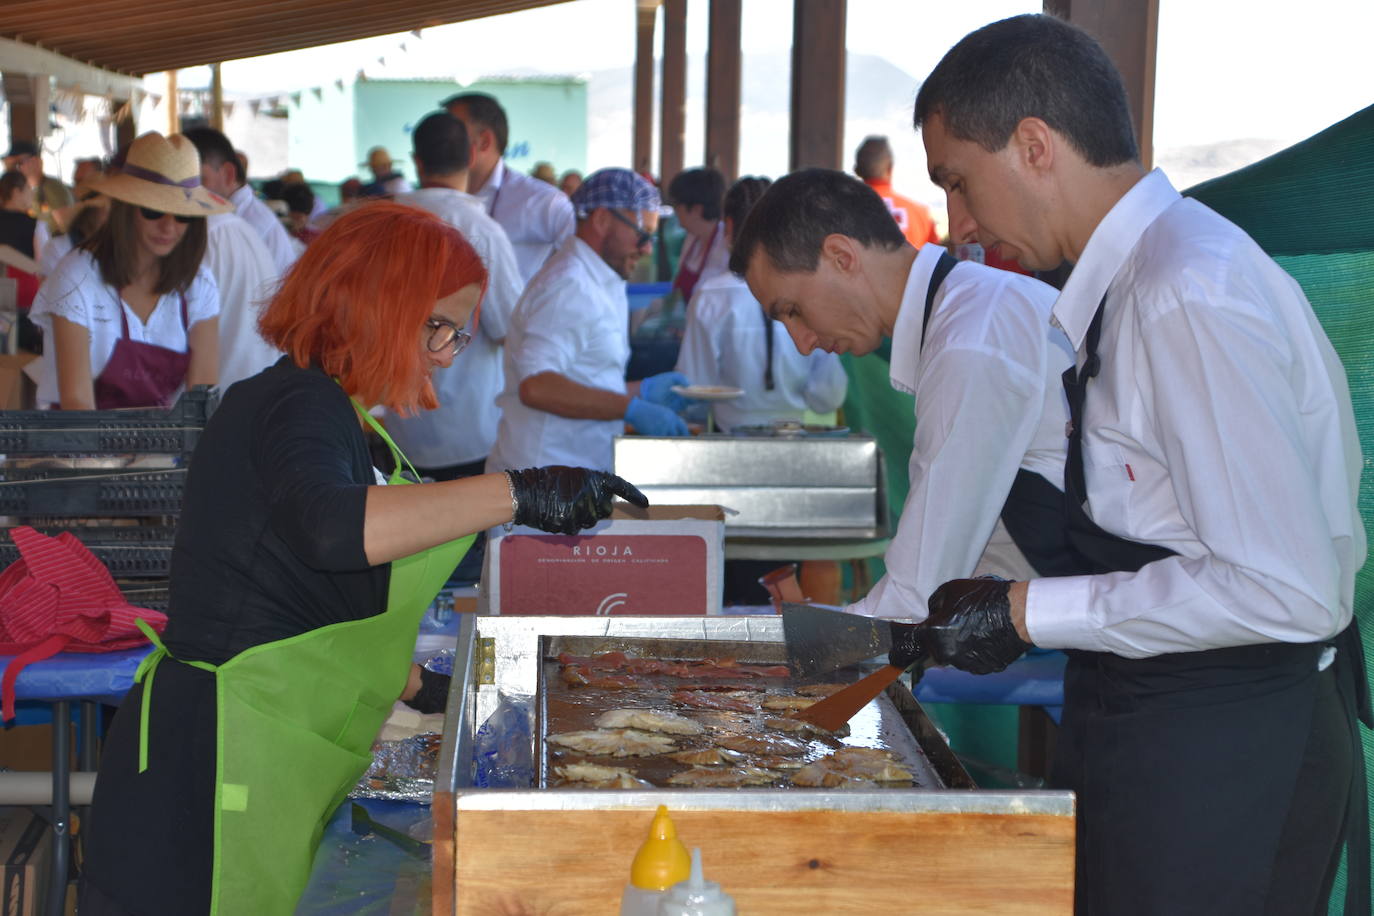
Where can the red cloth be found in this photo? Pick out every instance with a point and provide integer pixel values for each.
(59, 598)
(26, 285)
(912, 218)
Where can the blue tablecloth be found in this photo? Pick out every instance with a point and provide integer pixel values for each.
(104, 676)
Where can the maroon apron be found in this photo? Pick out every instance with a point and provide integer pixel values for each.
(142, 374)
(686, 279)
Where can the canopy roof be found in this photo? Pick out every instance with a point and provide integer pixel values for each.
(145, 36)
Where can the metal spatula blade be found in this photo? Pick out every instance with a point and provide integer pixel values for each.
(820, 640)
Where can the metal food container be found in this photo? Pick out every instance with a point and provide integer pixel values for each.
(560, 850)
(792, 487)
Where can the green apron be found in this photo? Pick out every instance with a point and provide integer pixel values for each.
(296, 720)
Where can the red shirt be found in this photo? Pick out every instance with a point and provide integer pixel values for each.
(912, 218)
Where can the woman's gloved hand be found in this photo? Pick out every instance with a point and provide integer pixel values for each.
(658, 389)
(565, 500)
(432, 696)
(970, 626)
(654, 420)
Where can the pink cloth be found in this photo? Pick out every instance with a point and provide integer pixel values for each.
(59, 598)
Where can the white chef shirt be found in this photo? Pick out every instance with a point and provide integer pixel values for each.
(537, 217)
(247, 278)
(54, 251)
(724, 344)
(573, 320)
(265, 222)
(989, 400)
(76, 292)
(1220, 427)
(462, 428)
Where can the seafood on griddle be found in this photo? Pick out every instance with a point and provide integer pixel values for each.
(576, 676)
(763, 745)
(820, 690)
(597, 776)
(802, 727)
(713, 777)
(849, 764)
(615, 742)
(730, 701)
(707, 757)
(651, 720)
(788, 703)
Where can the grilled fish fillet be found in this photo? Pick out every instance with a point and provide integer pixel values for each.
(615, 742)
(651, 720)
(785, 703)
(714, 777)
(763, 745)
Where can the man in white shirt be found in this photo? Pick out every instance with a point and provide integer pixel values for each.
(243, 268)
(1214, 674)
(823, 256)
(566, 397)
(454, 439)
(222, 172)
(537, 217)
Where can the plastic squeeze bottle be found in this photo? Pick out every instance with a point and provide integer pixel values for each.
(696, 896)
(661, 862)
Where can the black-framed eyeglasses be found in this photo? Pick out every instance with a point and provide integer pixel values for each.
(154, 215)
(645, 237)
(445, 334)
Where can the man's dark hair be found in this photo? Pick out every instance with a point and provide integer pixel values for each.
(793, 218)
(873, 158)
(215, 149)
(299, 197)
(698, 187)
(1032, 66)
(115, 249)
(440, 143)
(740, 199)
(486, 111)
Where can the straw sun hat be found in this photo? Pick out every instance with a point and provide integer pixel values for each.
(163, 173)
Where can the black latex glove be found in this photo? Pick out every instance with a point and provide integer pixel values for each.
(970, 626)
(908, 644)
(433, 693)
(565, 500)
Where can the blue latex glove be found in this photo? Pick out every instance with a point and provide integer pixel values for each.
(653, 419)
(658, 389)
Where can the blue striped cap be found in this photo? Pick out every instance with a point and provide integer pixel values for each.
(616, 189)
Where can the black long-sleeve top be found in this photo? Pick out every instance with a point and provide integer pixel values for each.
(270, 541)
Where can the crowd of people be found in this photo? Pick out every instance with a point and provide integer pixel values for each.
(1158, 462)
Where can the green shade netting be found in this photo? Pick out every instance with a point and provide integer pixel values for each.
(1311, 207)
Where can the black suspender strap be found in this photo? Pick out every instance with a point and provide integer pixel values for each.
(937, 276)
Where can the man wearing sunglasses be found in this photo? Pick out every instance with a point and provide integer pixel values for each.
(566, 397)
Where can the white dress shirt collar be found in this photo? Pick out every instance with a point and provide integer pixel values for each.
(1108, 248)
(905, 366)
(494, 180)
(599, 270)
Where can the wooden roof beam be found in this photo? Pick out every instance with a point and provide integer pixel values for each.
(18, 57)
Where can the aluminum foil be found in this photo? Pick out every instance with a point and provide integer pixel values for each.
(401, 770)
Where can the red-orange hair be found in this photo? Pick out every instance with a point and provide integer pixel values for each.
(356, 302)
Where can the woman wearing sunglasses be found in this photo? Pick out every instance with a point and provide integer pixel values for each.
(298, 581)
(131, 319)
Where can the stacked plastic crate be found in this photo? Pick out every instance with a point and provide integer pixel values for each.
(113, 478)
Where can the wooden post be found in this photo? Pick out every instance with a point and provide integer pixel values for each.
(674, 136)
(723, 89)
(1129, 31)
(126, 128)
(818, 62)
(28, 97)
(216, 99)
(642, 156)
(173, 105)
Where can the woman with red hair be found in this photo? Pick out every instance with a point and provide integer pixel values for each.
(298, 581)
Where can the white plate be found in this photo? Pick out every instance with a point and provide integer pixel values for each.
(708, 392)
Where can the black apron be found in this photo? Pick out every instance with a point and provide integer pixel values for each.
(1234, 744)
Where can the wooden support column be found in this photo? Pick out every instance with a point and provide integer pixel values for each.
(674, 106)
(28, 96)
(817, 134)
(723, 89)
(216, 99)
(127, 128)
(173, 104)
(642, 156)
(1129, 31)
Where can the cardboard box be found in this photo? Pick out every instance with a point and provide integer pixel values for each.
(17, 390)
(667, 560)
(25, 848)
